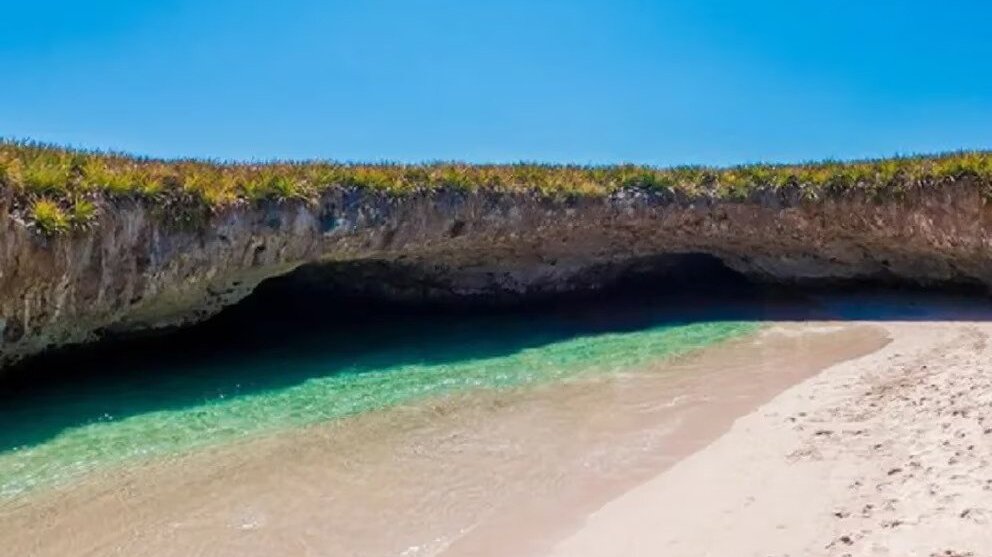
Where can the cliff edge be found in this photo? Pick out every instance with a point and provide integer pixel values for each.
(133, 267)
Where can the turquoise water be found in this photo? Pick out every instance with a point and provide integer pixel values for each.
(217, 386)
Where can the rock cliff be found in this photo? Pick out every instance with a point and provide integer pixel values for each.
(133, 271)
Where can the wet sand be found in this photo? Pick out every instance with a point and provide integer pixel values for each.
(889, 454)
(507, 472)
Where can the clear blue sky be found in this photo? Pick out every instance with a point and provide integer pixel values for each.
(658, 82)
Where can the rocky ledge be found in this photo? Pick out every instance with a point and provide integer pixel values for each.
(133, 271)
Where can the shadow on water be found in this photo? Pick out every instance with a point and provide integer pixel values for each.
(283, 336)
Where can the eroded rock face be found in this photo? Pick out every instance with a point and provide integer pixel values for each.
(133, 272)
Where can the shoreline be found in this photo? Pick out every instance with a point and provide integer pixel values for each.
(200, 413)
(440, 478)
(887, 454)
(537, 530)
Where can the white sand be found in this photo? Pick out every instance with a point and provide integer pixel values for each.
(888, 454)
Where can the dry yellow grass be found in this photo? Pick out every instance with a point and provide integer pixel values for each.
(67, 177)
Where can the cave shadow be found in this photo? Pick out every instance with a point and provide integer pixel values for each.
(285, 334)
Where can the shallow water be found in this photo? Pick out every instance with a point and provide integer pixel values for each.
(332, 385)
(118, 407)
(386, 434)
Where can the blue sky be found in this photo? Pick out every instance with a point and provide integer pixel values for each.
(662, 82)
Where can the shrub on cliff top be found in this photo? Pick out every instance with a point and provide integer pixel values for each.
(46, 174)
(83, 214)
(52, 218)
(192, 186)
(49, 218)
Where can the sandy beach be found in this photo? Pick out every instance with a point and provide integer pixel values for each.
(887, 454)
(488, 473)
(835, 438)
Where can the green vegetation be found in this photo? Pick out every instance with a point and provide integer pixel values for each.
(49, 217)
(65, 181)
(83, 214)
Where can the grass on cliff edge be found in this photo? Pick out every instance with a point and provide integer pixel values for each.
(58, 188)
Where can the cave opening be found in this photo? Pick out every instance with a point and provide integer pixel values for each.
(361, 297)
(321, 321)
(372, 298)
